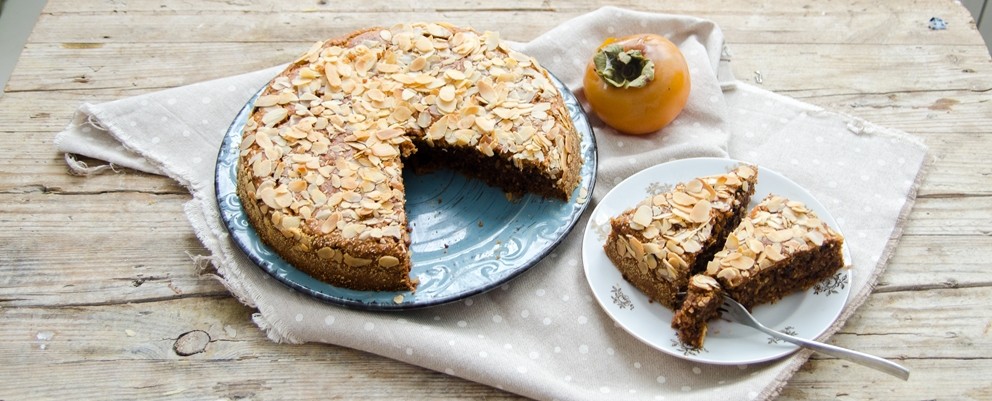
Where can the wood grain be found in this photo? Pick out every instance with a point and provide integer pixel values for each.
(85, 324)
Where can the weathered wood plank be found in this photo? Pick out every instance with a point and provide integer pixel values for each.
(48, 264)
(934, 336)
(865, 69)
(126, 352)
(866, 25)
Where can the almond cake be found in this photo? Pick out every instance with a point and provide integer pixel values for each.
(666, 238)
(322, 154)
(781, 247)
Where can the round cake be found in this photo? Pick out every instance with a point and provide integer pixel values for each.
(322, 154)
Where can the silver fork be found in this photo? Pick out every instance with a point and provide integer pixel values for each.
(739, 314)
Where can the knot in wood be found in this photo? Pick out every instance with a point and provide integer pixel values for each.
(191, 342)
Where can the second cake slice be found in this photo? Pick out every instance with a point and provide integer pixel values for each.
(658, 244)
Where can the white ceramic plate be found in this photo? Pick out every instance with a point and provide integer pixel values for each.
(806, 314)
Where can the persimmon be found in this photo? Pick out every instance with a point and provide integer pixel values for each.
(637, 84)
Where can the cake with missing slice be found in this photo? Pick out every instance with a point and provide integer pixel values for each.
(323, 151)
(659, 243)
(781, 247)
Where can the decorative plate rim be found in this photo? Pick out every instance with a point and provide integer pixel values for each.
(246, 238)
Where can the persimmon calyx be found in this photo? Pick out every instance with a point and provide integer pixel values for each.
(623, 68)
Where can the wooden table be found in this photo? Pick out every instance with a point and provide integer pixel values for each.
(97, 281)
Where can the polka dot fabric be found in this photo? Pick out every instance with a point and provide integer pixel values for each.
(543, 335)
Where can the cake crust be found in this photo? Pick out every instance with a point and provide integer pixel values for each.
(322, 154)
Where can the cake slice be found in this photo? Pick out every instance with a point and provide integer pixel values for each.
(781, 247)
(659, 243)
(702, 302)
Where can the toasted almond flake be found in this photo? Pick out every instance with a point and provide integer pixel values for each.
(262, 168)
(423, 44)
(297, 186)
(424, 119)
(325, 253)
(487, 92)
(266, 101)
(620, 246)
(454, 75)
(780, 235)
(774, 252)
(290, 222)
(388, 261)
(691, 246)
(815, 237)
(755, 246)
(388, 133)
(447, 93)
(731, 276)
(418, 64)
(700, 212)
(704, 282)
(331, 73)
(355, 261)
(376, 94)
(438, 31)
(273, 116)
(642, 216)
(681, 198)
(695, 186)
(385, 150)
(742, 263)
(637, 247)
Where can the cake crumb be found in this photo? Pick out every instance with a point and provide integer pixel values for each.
(398, 298)
(481, 224)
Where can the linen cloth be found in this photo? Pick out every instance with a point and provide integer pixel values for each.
(543, 335)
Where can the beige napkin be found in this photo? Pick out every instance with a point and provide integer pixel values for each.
(543, 335)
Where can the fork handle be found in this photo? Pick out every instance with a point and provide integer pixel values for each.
(861, 358)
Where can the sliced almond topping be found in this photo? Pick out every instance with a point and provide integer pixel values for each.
(780, 235)
(774, 252)
(455, 75)
(742, 263)
(700, 212)
(704, 282)
(385, 150)
(325, 253)
(642, 216)
(815, 237)
(731, 276)
(447, 93)
(637, 247)
(388, 261)
(755, 246)
(290, 222)
(262, 168)
(683, 199)
(487, 92)
(694, 187)
(418, 64)
(388, 133)
(297, 186)
(691, 246)
(266, 101)
(356, 262)
(273, 116)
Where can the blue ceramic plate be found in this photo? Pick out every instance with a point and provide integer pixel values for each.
(467, 238)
